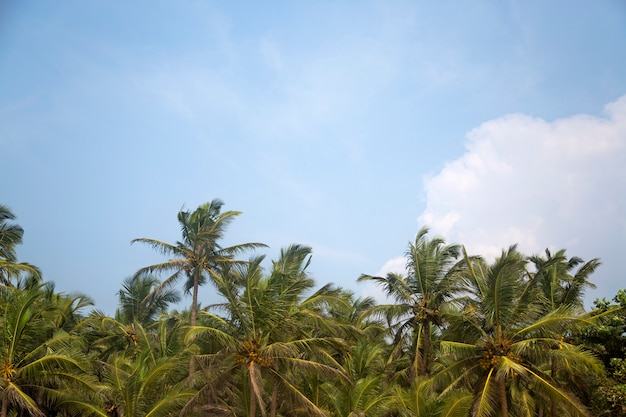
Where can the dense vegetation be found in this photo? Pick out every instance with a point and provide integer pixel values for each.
(461, 336)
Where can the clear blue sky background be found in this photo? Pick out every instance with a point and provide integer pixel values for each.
(345, 126)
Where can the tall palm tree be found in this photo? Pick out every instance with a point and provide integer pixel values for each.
(142, 299)
(430, 281)
(270, 336)
(199, 255)
(11, 236)
(501, 339)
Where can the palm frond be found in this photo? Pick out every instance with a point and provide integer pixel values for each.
(552, 391)
(161, 247)
(85, 408)
(221, 336)
(15, 396)
(456, 404)
(300, 397)
(485, 401)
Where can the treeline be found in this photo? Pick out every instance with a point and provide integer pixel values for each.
(461, 336)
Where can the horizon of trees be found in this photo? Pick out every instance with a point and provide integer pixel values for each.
(461, 336)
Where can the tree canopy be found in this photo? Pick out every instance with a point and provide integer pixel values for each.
(460, 336)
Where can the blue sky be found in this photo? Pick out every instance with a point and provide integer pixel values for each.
(341, 125)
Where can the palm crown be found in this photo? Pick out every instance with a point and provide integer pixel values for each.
(199, 255)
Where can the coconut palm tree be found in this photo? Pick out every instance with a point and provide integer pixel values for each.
(420, 400)
(365, 391)
(563, 281)
(430, 281)
(270, 337)
(40, 362)
(501, 339)
(199, 255)
(146, 379)
(142, 299)
(11, 236)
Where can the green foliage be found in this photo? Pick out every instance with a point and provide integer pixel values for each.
(199, 256)
(461, 336)
(40, 362)
(11, 236)
(503, 345)
(421, 294)
(608, 341)
(271, 335)
(613, 391)
(143, 298)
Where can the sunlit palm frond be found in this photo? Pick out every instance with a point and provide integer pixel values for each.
(222, 337)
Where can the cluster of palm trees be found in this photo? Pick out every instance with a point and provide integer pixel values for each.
(460, 336)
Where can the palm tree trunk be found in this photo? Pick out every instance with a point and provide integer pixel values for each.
(5, 405)
(252, 409)
(503, 401)
(194, 298)
(192, 367)
(426, 350)
(194, 308)
(415, 366)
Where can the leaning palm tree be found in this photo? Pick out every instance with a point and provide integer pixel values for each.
(11, 236)
(430, 281)
(199, 255)
(499, 342)
(269, 339)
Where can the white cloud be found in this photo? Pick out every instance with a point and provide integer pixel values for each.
(396, 265)
(524, 180)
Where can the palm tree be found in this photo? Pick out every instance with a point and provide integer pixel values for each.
(501, 339)
(430, 281)
(354, 314)
(555, 278)
(364, 392)
(270, 338)
(11, 236)
(562, 282)
(142, 299)
(199, 255)
(146, 379)
(40, 362)
(420, 400)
